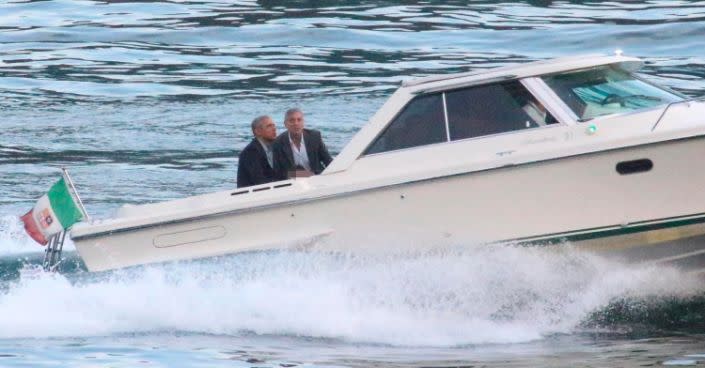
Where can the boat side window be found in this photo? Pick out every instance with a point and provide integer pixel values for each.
(606, 90)
(421, 122)
(491, 109)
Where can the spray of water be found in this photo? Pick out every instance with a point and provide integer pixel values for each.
(448, 297)
(14, 240)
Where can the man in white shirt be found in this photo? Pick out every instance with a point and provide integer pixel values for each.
(299, 151)
(256, 161)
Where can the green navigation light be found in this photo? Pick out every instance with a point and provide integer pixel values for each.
(591, 129)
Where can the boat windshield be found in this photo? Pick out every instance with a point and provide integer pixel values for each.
(606, 90)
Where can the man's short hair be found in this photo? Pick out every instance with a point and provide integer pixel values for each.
(291, 111)
(257, 121)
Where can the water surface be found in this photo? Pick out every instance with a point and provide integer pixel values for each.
(151, 100)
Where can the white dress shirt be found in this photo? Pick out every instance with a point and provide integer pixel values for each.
(300, 155)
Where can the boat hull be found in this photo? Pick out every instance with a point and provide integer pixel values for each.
(582, 199)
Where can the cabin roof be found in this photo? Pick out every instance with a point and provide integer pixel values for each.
(524, 70)
(437, 83)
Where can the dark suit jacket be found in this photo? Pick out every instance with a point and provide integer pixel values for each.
(318, 156)
(253, 167)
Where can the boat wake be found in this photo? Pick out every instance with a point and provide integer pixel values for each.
(449, 297)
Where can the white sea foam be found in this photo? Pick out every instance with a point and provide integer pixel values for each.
(439, 298)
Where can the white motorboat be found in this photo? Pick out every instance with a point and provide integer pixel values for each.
(577, 150)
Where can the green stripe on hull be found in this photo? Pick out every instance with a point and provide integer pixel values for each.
(610, 231)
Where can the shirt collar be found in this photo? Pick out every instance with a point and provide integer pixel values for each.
(264, 144)
(291, 141)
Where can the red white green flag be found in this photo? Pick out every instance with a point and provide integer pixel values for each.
(54, 212)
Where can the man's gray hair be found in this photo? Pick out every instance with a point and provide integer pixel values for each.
(291, 111)
(257, 121)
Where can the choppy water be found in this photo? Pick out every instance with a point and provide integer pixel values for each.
(151, 100)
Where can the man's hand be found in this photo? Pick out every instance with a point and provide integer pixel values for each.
(299, 174)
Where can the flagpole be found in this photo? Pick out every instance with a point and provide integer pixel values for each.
(66, 176)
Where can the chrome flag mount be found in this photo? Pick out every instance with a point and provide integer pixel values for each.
(55, 211)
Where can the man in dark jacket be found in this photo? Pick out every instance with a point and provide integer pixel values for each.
(256, 161)
(299, 152)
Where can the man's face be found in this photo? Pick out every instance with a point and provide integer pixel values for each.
(266, 130)
(295, 123)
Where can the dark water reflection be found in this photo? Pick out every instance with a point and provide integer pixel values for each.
(119, 49)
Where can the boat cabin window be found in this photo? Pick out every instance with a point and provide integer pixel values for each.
(491, 109)
(606, 90)
(421, 122)
(463, 113)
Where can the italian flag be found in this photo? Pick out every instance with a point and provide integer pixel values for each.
(54, 212)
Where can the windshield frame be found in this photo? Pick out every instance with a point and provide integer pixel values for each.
(574, 116)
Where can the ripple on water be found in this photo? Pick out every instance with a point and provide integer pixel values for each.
(84, 50)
